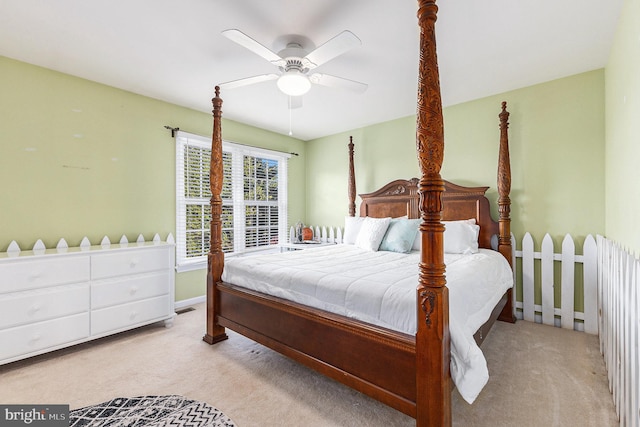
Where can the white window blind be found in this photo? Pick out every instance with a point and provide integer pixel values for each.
(254, 199)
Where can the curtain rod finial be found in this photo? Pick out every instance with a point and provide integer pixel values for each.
(173, 130)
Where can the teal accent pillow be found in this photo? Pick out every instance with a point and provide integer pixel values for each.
(400, 235)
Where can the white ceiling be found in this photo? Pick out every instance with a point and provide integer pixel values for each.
(173, 50)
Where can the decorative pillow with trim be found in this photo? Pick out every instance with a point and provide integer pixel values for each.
(400, 235)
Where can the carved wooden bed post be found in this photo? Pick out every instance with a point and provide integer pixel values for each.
(433, 379)
(215, 332)
(352, 181)
(504, 204)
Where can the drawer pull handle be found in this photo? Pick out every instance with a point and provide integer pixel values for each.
(133, 290)
(135, 262)
(34, 276)
(133, 315)
(35, 338)
(34, 309)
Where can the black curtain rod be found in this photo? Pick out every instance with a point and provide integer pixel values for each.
(176, 129)
(173, 130)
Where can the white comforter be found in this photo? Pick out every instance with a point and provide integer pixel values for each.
(380, 288)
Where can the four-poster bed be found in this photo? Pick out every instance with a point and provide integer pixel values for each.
(408, 372)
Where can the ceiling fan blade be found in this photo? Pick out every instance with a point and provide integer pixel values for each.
(338, 82)
(338, 45)
(245, 41)
(294, 102)
(248, 81)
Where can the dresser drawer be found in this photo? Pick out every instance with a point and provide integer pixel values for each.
(130, 262)
(127, 315)
(42, 304)
(23, 340)
(119, 291)
(59, 270)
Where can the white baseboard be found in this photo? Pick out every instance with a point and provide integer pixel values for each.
(577, 324)
(189, 302)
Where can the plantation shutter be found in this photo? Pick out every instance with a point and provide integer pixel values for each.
(254, 199)
(193, 212)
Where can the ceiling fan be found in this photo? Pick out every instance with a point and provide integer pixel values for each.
(295, 63)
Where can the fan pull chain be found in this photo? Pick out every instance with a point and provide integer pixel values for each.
(290, 131)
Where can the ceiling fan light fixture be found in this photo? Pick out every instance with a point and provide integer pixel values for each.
(294, 83)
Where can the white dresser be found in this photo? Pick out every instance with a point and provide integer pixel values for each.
(53, 299)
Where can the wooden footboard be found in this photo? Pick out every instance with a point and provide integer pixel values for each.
(373, 360)
(376, 361)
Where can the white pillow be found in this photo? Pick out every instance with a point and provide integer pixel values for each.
(460, 237)
(352, 225)
(372, 232)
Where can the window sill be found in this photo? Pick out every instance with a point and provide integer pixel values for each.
(202, 265)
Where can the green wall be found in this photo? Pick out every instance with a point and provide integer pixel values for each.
(78, 158)
(622, 82)
(557, 150)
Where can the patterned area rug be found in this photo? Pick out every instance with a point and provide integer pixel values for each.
(149, 411)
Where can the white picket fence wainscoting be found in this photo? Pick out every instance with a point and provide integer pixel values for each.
(323, 234)
(39, 248)
(565, 316)
(619, 309)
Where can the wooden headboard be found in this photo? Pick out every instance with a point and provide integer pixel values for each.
(400, 197)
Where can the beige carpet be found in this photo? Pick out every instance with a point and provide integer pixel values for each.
(540, 376)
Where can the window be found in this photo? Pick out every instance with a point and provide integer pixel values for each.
(254, 199)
